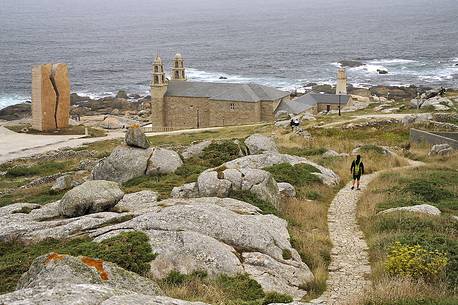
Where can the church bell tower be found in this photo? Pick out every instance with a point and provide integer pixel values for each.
(158, 90)
(341, 87)
(178, 70)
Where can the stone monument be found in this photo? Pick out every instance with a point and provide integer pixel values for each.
(50, 97)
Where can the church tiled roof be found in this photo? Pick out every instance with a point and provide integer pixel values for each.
(224, 91)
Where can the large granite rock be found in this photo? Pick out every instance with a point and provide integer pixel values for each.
(219, 236)
(90, 197)
(219, 183)
(137, 203)
(123, 164)
(195, 150)
(62, 183)
(258, 144)
(420, 208)
(163, 161)
(135, 137)
(16, 112)
(261, 161)
(31, 223)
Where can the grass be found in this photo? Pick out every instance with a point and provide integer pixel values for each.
(38, 169)
(220, 290)
(71, 130)
(435, 184)
(129, 250)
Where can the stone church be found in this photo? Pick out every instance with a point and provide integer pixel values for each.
(181, 104)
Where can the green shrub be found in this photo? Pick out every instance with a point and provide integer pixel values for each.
(427, 190)
(297, 175)
(415, 261)
(313, 195)
(40, 169)
(129, 250)
(251, 198)
(190, 169)
(274, 297)
(218, 153)
(240, 287)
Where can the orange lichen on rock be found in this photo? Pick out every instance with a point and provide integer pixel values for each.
(134, 126)
(54, 257)
(97, 264)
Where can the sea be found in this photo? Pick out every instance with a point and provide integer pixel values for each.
(110, 45)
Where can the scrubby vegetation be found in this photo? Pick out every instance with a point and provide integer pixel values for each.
(297, 175)
(129, 250)
(251, 198)
(221, 290)
(410, 248)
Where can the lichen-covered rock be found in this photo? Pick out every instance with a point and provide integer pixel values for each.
(116, 122)
(261, 161)
(55, 279)
(135, 137)
(420, 208)
(62, 183)
(286, 190)
(90, 197)
(137, 203)
(124, 164)
(195, 150)
(54, 269)
(258, 144)
(441, 150)
(163, 161)
(333, 154)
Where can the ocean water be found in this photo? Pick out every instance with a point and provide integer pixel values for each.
(110, 44)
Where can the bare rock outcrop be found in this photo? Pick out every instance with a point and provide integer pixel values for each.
(195, 150)
(420, 208)
(441, 150)
(123, 164)
(90, 197)
(258, 144)
(261, 161)
(213, 234)
(163, 161)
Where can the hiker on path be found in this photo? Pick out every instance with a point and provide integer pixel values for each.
(357, 170)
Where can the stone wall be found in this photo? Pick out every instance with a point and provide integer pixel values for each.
(323, 107)
(50, 97)
(190, 112)
(434, 138)
(267, 111)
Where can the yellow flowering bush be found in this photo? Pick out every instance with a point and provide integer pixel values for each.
(415, 261)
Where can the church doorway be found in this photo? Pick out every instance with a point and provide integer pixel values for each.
(328, 108)
(197, 118)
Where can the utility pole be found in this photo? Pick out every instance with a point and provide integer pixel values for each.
(339, 104)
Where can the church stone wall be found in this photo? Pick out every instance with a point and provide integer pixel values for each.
(267, 111)
(191, 112)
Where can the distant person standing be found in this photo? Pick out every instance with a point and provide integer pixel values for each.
(357, 170)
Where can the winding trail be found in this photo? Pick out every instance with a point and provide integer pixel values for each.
(349, 271)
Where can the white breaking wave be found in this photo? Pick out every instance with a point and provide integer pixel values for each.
(394, 61)
(9, 100)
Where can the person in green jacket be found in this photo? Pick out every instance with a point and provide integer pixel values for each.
(357, 170)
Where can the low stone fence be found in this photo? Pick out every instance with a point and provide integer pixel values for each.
(450, 138)
(157, 129)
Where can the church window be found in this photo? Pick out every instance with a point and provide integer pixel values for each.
(232, 106)
(156, 69)
(177, 75)
(156, 79)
